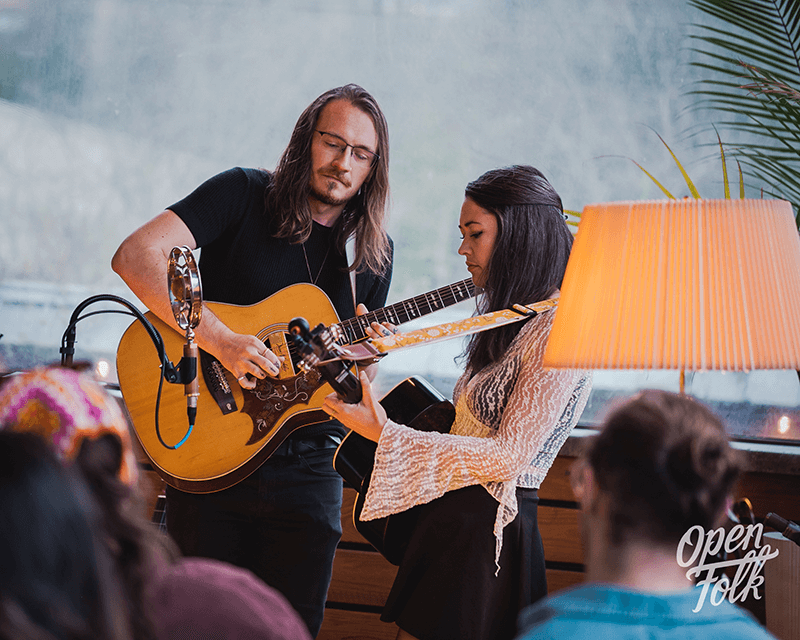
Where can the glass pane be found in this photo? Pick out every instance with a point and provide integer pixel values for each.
(757, 405)
(111, 110)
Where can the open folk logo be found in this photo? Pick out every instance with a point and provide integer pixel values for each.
(699, 550)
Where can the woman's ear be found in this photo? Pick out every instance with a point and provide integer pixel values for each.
(581, 476)
(577, 477)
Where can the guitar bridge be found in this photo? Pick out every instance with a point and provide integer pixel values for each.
(217, 383)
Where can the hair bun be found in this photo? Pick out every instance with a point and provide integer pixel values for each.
(665, 463)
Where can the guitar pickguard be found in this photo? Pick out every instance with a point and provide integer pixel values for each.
(272, 398)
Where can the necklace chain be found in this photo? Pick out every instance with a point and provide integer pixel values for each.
(321, 267)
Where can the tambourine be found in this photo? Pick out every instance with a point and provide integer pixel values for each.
(185, 288)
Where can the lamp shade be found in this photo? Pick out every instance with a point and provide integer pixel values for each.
(692, 285)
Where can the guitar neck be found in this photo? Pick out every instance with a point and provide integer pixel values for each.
(400, 312)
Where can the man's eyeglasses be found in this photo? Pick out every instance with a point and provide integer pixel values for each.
(361, 155)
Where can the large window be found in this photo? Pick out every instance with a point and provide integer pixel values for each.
(111, 110)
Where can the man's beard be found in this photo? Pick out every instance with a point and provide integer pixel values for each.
(326, 198)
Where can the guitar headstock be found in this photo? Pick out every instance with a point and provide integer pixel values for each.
(320, 350)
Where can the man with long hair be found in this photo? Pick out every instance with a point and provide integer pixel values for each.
(260, 232)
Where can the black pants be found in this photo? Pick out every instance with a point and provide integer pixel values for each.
(283, 523)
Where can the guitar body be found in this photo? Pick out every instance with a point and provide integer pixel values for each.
(224, 448)
(417, 404)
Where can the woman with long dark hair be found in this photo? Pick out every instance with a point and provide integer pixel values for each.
(475, 558)
(57, 581)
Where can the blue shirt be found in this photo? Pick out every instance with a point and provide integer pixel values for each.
(599, 611)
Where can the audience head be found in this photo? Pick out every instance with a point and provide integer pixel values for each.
(661, 464)
(56, 579)
(530, 252)
(87, 429)
(203, 598)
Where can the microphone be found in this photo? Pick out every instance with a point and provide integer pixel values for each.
(191, 387)
(186, 300)
(788, 528)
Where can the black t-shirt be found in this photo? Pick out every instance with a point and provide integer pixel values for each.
(242, 263)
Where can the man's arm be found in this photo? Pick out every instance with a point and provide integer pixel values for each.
(141, 261)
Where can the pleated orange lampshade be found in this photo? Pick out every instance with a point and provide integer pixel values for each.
(693, 285)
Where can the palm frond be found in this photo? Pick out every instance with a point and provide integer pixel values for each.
(647, 173)
(657, 183)
(741, 180)
(766, 83)
(572, 219)
(724, 168)
(690, 184)
(687, 179)
(749, 54)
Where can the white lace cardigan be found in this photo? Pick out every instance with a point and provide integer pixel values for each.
(511, 420)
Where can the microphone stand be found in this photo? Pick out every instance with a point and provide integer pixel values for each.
(788, 529)
(188, 373)
(67, 349)
(185, 373)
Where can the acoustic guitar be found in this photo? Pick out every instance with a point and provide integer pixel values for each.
(237, 429)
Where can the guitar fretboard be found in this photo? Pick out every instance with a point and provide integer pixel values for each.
(355, 328)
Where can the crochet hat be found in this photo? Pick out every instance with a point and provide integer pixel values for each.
(65, 407)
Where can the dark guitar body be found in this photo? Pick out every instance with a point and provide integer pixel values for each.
(415, 403)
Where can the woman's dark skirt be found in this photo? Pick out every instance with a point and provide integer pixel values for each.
(446, 586)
